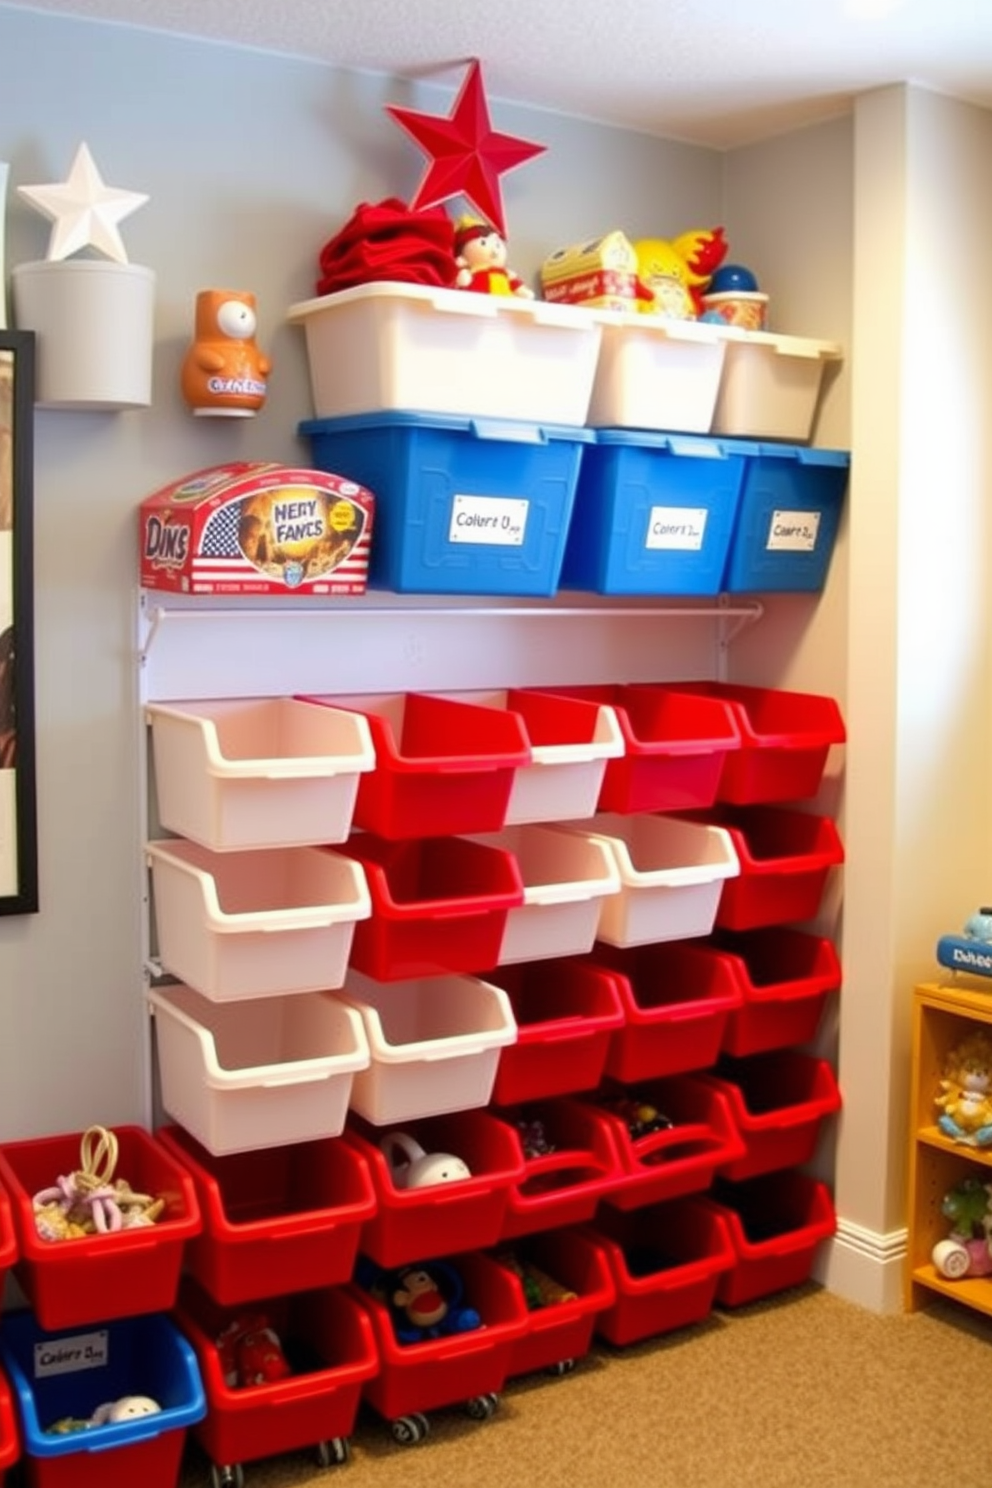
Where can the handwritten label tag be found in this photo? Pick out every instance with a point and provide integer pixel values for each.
(676, 527)
(793, 532)
(488, 521)
(71, 1354)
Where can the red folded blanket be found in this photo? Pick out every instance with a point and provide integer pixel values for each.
(385, 240)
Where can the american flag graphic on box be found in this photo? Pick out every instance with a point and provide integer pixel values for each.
(257, 528)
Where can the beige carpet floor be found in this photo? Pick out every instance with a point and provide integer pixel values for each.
(800, 1390)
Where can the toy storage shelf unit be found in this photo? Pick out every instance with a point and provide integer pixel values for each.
(195, 656)
(943, 1016)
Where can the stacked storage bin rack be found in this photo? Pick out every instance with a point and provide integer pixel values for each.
(705, 1094)
(516, 925)
(780, 1096)
(256, 1061)
(97, 1327)
(466, 879)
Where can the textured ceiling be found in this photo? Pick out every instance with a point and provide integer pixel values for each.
(716, 72)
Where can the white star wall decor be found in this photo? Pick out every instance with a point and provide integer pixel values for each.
(84, 211)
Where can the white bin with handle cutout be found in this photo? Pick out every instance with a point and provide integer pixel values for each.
(571, 740)
(672, 874)
(239, 925)
(434, 1044)
(259, 1074)
(257, 772)
(566, 877)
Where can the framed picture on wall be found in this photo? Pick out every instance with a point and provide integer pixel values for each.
(18, 815)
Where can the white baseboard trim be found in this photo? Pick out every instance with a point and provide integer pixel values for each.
(864, 1266)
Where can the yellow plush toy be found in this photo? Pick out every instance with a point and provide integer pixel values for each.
(964, 1097)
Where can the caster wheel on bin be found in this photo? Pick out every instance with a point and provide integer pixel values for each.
(227, 1477)
(481, 1407)
(564, 1366)
(334, 1452)
(408, 1430)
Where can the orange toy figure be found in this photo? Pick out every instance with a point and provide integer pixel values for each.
(223, 372)
(480, 254)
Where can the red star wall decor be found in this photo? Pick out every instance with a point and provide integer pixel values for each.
(467, 155)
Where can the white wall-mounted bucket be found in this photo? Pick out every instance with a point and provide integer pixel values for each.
(93, 322)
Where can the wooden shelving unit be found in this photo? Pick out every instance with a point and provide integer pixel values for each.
(942, 1017)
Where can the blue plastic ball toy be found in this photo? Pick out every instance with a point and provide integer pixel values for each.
(730, 277)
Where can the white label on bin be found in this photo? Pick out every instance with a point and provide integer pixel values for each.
(500, 520)
(793, 532)
(676, 527)
(68, 1355)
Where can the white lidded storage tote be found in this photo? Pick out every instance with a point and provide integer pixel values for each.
(239, 1077)
(434, 1044)
(771, 385)
(671, 875)
(257, 772)
(433, 350)
(237, 925)
(657, 373)
(566, 877)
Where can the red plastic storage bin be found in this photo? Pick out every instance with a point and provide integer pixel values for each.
(441, 766)
(785, 858)
(105, 1276)
(672, 1136)
(10, 1445)
(565, 1284)
(327, 1340)
(675, 1003)
(666, 1261)
(462, 1368)
(567, 1011)
(570, 1163)
(8, 1237)
(778, 1102)
(776, 1222)
(280, 1219)
(785, 977)
(439, 904)
(467, 1214)
(675, 746)
(786, 738)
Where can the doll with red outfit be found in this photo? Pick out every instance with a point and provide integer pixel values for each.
(480, 254)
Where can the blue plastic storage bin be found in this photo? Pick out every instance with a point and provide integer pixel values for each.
(654, 514)
(787, 519)
(463, 505)
(69, 1374)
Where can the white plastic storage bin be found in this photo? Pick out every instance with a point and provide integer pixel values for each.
(566, 877)
(671, 875)
(655, 373)
(771, 385)
(251, 773)
(416, 347)
(253, 924)
(434, 1044)
(239, 1077)
(570, 739)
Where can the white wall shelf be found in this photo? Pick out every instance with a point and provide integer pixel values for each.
(190, 648)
